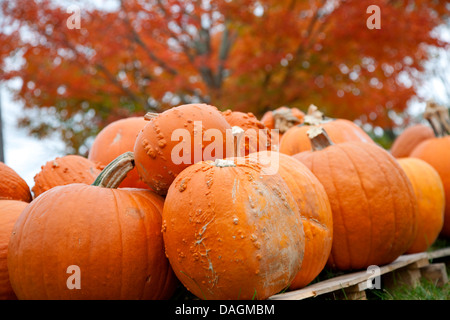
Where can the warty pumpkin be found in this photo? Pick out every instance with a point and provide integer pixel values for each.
(12, 186)
(296, 140)
(175, 139)
(430, 196)
(256, 136)
(115, 139)
(372, 200)
(410, 138)
(315, 212)
(112, 235)
(64, 170)
(231, 231)
(436, 152)
(10, 210)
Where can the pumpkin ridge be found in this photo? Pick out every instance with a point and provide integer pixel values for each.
(358, 172)
(136, 205)
(394, 202)
(119, 225)
(339, 206)
(412, 196)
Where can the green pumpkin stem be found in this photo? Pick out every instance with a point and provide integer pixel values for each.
(115, 172)
(319, 138)
(438, 118)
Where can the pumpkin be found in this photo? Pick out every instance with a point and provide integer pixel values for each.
(296, 140)
(256, 136)
(115, 139)
(231, 231)
(64, 170)
(430, 196)
(315, 213)
(436, 152)
(175, 139)
(12, 186)
(282, 119)
(409, 139)
(372, 201)
(9, 212)
(111, 236)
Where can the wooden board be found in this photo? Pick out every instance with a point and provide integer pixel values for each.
(359, 278)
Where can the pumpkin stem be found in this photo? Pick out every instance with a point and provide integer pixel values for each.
(313, 117)
(284, 119)
(150, 115)
(319, 138)
(438, 118)
(114, 173)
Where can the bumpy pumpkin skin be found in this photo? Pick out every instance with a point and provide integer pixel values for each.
(372, 200)
(64, 170)
(232, 232)
(12, 186)
(115, 139)
(154, 145)
(410, 138)
(315, 213)
(256, 136)
(296, 140)
(429, 192)
(10, 210)
(436, 152)
(112, 235)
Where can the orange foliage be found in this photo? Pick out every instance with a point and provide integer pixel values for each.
(248, 55)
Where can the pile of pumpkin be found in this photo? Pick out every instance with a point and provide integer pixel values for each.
(136, 225)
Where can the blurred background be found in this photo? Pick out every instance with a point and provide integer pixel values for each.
(68, 68)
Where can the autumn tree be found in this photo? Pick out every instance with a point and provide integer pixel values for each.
(134, 56)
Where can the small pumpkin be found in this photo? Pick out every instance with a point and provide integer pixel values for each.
(231, 231)
(175, 139)
(436, 152)
(430, 196)
(113, 236)
(64, 170)
(412, 136)
(12, 186)
(315, 212)
(115, 139)
(372, 200)
(282, 119)
(296, 140)
(9, 212)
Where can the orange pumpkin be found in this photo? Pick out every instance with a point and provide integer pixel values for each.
(409, 139)
(12, 186)
(372, 200)
(315, 213)
(111, 236)
(430, 196)
(9, 212)
(256, 136)
(282, 119)
(115, 139)
(231, 231)
(436, 152)
(296, 140)
(175, 139)
(64, 170)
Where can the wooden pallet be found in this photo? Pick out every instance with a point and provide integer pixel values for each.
(407, 269)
